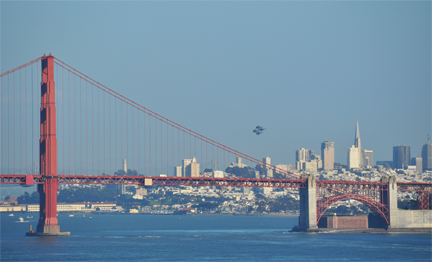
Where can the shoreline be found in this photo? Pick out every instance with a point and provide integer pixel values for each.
(365, 230)
(120, 213)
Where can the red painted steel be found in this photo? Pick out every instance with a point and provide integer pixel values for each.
(423, 199)
(372, 194)
(329, 192)
(48, 222)
(368, 192)
(22, 66)
(378, 208)
(157, 181)
(168, 121)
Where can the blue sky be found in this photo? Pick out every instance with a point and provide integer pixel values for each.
(306, 71)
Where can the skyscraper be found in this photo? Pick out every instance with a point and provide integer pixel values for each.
(356, 158)
(353, 157)
(368, 157)
(327, 152)
(303, 154)
(307, 160)
(427, 156)
(418, 163)
(267, 171)
(189, 168)
(401, 156)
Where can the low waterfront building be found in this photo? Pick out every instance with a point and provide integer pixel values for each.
(100, 206)
(335, 221)
(9, 208)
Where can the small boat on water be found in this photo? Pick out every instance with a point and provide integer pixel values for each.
(29, 216)
(21, 220)
(71, 215)
(11, 215)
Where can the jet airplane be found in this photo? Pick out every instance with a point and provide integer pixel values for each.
(258, 130)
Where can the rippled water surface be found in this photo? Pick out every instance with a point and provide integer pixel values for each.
(198, 238)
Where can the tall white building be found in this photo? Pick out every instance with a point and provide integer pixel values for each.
(189, 168)
(267, 170)
(327, 153)
(353, 157)
(307, 160)
(238, 162)
(368, 157)
(218, 173)
(357, 155)
(178, 171)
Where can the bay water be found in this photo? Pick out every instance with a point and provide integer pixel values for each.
(107, 237)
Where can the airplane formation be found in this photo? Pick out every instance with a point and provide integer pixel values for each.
(258, 130)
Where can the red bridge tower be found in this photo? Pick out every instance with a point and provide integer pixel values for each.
(48, 223)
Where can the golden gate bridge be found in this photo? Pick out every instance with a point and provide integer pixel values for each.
(79, 130)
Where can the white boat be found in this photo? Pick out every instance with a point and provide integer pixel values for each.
(71, 215)
(11, 215)
(21, 220)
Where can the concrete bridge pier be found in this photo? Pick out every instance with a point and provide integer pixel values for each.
(308, 205)
(400, 218)
(389, 198)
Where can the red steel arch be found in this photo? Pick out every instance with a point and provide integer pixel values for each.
(376, 207)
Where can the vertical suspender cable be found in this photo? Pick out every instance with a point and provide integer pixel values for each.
(167, 151)
(172, 149)
(139, 147)
(88, 161)
(178, 140)
(110, 130)
(223, 161)
(37, 113)
(156, 155)
(69, 127)
(133, 137)
(133, 147)
(121, 129)
(8, 124)
(81, 125)
(75, 124)
(64, 106)
(206, 156)
(20, 123)
(13, 119)
(150, 153)
(103, 133)
(161, 146)
(127, 140)
(184, 146)
(32, 142)
(115, 133)
(145, 149)
(26, 120)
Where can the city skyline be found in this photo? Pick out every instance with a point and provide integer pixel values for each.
(305, 71)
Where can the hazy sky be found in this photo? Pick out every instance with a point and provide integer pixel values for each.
(306, 71)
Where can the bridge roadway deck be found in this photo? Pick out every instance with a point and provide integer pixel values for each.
(28, 180)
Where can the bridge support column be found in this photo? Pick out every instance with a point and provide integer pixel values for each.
(389, 198)
(48, 223)
(308, 205)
